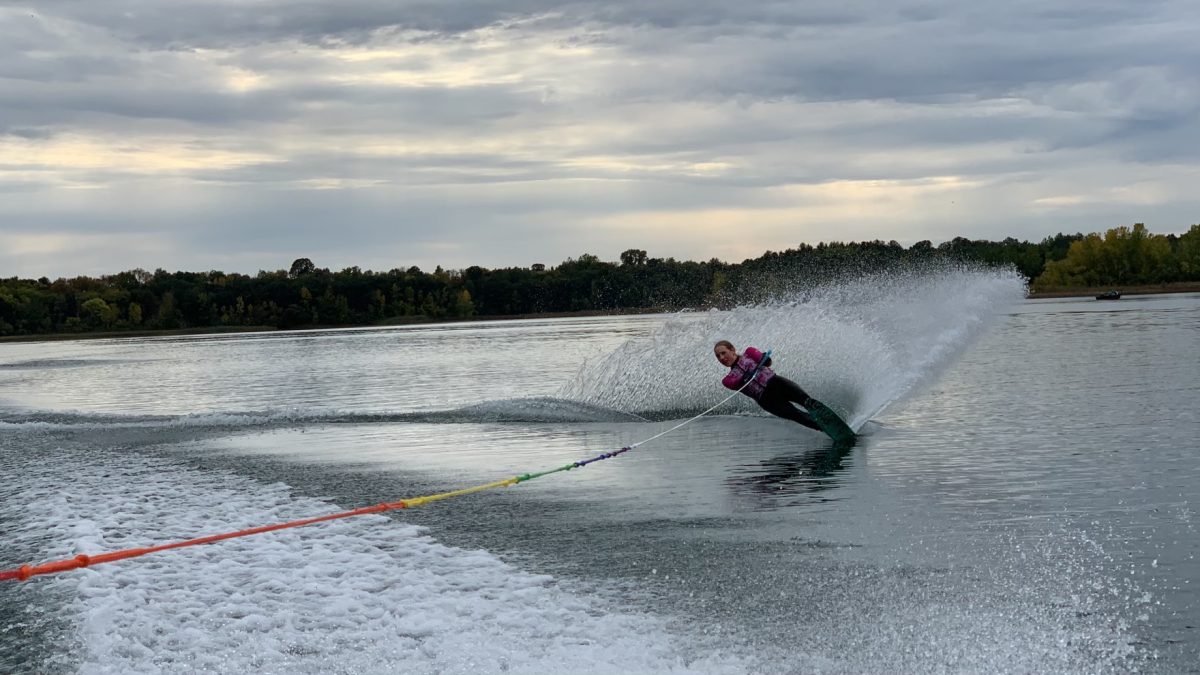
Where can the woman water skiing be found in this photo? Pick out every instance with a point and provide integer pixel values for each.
(775, 393)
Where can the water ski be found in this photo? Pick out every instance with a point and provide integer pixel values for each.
(830, 422)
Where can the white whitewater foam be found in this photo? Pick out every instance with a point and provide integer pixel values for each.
(543, 409)
(363, 595)
(517, 410)
(857, 345)
(80, 419)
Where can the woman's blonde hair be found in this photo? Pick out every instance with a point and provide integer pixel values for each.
(725, 343)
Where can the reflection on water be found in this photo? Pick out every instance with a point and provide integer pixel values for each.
(777, 482)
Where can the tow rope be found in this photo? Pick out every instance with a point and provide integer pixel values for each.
(24, 572)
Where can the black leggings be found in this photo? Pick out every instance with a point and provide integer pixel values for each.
(779, 395)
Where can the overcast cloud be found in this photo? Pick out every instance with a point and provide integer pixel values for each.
(381, 133)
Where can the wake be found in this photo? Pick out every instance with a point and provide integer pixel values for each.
(536, 410)
(857, 345)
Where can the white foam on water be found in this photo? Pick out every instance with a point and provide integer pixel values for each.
(517, 410)
(28, 426)
(539, 410)
(857, 345)
(22, 420)
(362, 595)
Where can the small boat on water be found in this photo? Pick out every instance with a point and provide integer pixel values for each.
(1109, 295)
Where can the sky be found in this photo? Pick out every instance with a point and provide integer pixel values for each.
(239, 135)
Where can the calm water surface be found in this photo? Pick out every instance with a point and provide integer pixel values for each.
(1023, 498)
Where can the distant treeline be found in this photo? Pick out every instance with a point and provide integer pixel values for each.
(306, 295)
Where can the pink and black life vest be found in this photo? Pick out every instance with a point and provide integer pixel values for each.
(745, 365)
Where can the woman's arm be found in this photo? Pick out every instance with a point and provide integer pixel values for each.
(757, 356)
(733, 380)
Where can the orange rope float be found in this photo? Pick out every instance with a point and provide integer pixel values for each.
(24, 572)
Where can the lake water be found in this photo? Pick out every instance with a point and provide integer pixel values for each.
(1023, 497)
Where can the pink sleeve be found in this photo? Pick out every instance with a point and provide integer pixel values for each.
(732, 380)
(754, 354)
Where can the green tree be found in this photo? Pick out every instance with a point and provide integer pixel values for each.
(1189, 254)
(8, 312)
(1121, 256)
(633, 256)
(168, 315)
(431, 308)
(463, 305)
(1078, 268)
(96, 313)
(301, 267)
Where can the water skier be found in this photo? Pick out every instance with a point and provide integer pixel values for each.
(772, 392)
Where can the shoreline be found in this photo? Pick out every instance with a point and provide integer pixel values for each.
(1184, 287)
(1081, 292)
(418, 320)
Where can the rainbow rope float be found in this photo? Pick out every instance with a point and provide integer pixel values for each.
(26, 571)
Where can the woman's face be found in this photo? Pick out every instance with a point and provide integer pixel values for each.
(725, 355)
